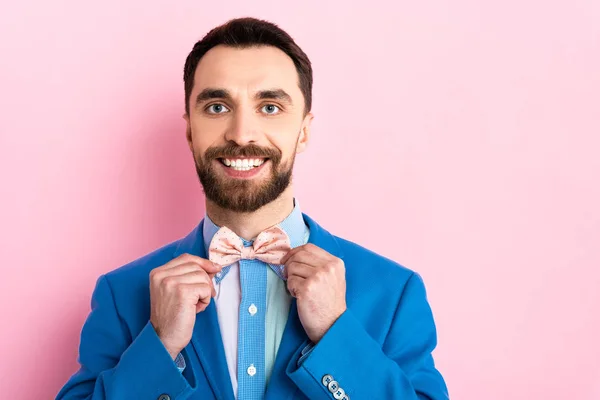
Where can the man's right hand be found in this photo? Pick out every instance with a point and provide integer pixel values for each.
(179, 290)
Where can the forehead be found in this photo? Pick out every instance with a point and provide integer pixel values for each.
(244, 71)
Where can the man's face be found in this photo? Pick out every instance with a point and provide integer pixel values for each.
(246, 125)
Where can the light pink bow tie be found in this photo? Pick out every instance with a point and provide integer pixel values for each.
(269, 247)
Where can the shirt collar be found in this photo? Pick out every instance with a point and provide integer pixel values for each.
(293, 225)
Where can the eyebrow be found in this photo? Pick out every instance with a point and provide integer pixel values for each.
(274, 94)
(217, 93)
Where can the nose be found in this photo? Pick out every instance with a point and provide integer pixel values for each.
(243, 129)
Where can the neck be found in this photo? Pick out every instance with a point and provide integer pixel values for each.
(249, 225)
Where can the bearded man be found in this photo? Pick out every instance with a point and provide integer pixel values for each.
(258, 301)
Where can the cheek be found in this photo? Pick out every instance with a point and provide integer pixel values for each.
(206, 134)
(284, 138)
(286, 145)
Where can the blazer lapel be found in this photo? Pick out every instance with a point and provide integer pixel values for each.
(206, 338)
(323, 239)
(294, 337)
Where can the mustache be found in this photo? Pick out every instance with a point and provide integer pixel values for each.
(250, 150)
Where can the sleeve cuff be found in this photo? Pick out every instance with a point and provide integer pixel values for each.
(343, 353)
(147, 357)
(305, 353)
(180, 362)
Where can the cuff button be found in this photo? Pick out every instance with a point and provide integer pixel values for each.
(339, 394)
(326, 380)
(333, 386)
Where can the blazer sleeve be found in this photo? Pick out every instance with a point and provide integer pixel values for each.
(348, 363)
(114, 366)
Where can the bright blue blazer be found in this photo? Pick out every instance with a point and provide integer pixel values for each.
(380, 348)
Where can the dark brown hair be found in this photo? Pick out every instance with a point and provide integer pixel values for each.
(248, 32)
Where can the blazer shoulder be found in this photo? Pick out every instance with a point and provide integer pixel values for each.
(127, 288)
(139, 269)
(361, 260)
(377, 287)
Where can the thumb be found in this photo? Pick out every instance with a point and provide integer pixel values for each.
(212, 268)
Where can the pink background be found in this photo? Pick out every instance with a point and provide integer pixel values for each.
(469, 130)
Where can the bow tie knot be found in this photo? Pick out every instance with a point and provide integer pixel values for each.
(269, 247)
(248, 253)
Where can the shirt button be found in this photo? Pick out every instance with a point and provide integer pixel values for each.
(346, 397)
(164, 397)
(252, 309)
(251, 370)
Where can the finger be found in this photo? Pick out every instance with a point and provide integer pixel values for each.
(185, 258)
(295, 250)
(201, 307)
(158, 274)
(189, 267)
(290, 254)
(307, 248)
(308, 256)
(295, 285)
(296, 268)
(317, 251)
(195, 276)
(201, 292)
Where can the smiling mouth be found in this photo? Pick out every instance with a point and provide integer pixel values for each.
(242, 164)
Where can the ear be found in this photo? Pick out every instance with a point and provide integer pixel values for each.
(304, 136)
(188, 131)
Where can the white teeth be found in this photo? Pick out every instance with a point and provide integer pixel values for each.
(243, 165)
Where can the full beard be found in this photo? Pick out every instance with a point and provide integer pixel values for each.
(243, 195)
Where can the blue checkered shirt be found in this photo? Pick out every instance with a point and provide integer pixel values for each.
(259, 331)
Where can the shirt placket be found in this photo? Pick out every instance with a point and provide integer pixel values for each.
(251, 329)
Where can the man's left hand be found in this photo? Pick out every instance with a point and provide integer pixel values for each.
(317, 280)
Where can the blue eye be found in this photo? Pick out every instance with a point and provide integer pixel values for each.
(217, 109)
(270, 109)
